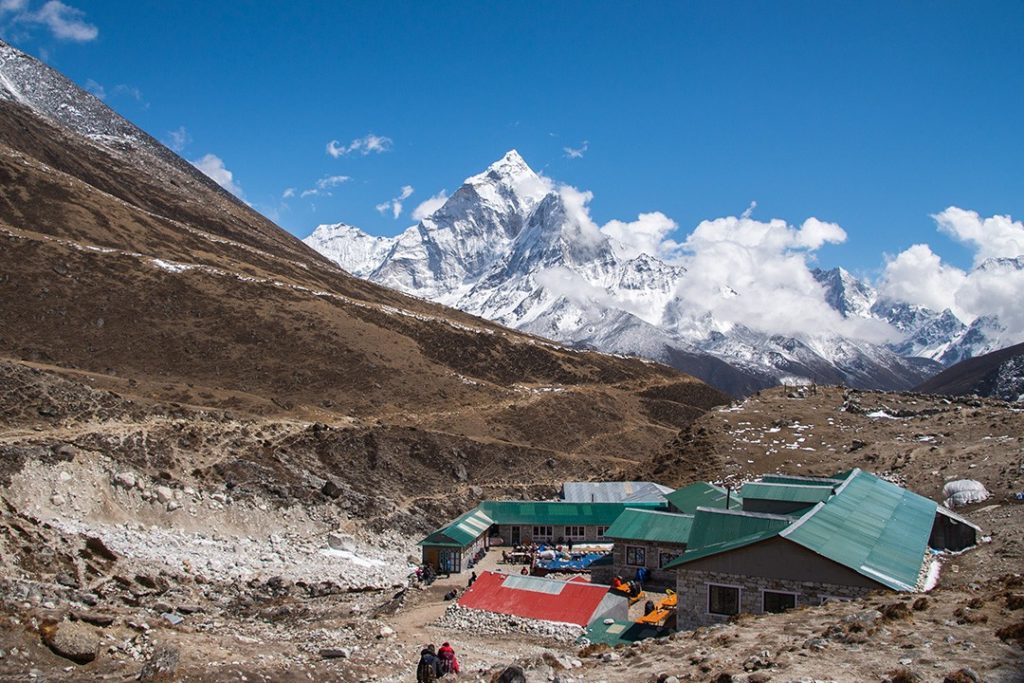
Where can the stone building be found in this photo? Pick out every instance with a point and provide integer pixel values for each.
(651, 539)
(836, 539)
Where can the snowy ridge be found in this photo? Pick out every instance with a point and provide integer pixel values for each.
(28, 82)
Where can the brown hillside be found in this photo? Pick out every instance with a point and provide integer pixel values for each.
(162, 287)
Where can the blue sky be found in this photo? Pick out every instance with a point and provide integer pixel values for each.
(870, 115)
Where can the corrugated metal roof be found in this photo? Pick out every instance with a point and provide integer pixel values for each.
(526, 512)
(461, 531)
(718, 531)
(613, 491)
(830, 482)
(647, 525)
(526, 596)
(703, 494)
(536, 584)
(871, 526)
(796, 493)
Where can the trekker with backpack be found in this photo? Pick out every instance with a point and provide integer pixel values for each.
(429, 668)
(449, 663)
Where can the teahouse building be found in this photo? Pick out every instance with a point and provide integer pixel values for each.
(836, 538)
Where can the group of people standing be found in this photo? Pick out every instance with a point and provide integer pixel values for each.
(434, 664)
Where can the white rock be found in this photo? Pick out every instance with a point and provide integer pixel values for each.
(57, 499)
(125, 479)
(164, 494)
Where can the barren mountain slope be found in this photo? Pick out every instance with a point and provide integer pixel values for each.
(169, 282)
(999, 374)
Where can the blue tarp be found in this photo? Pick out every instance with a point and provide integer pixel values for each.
(577, 563)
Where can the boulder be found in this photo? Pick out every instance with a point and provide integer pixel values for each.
(330, 489)
(125, 479)
(511, 674)
(341, 542)
(164, 494)
(72, 640)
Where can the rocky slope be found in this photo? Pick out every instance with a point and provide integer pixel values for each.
(509, 246)
(192, 400)
(999, 374)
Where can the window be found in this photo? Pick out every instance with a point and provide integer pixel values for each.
(664, 558)
(636, 556)
(723, 600)
(540, 532)
(575, 532)
(778, 602)
(601, 531)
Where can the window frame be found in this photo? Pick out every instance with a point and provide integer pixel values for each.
(539, 532)
(633, 549)
(664, 557)
(601, 531)
(739, 599)
(764, 593)
(570, 528)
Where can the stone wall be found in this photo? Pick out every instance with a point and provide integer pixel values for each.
(660, 578)
(692, 586)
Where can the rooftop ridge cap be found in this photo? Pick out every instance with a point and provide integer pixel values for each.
(806, 516)
(854, 473)
(658, 512)
(799, 486)
(744, 513)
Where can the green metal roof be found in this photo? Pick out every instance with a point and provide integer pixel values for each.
(795, 493)
(717, 531)
(871, 526)
(526, 512)
(461, 531)
(649, 525)
(703, 494)
(829, 482)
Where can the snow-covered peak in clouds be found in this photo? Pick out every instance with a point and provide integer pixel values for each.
(845, 293)
(515, 247)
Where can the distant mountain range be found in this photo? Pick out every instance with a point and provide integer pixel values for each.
(505, 246)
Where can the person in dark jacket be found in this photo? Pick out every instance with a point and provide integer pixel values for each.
(429, 668)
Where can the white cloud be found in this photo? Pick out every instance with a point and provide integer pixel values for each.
(213, 166)
(918, 276)
(646, 235)
(578, 152)
(368, 144)
(754, 273)
(429, 206)
(322, 187)
(63, 21)
(394, 205)
(178, 138)
(288, 193)
(993, 288)
(993, 237)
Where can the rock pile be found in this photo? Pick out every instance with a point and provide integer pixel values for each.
(479, 621)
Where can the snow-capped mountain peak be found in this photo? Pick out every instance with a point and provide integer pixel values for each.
(347, 244)
(845, 293)
(510, 246)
